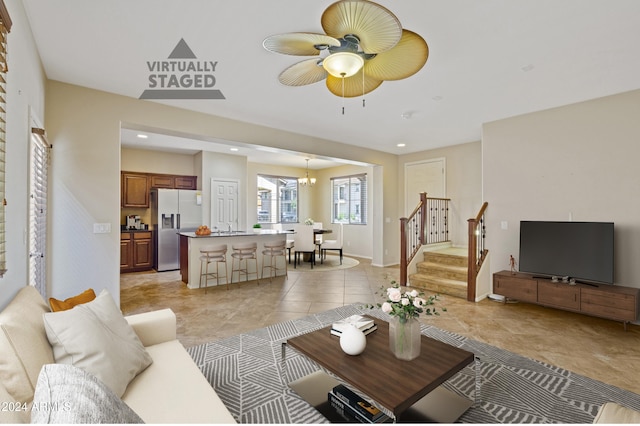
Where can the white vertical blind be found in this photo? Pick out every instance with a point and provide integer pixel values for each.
(5, 27)
(38, 174)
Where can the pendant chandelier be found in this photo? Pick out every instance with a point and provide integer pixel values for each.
(306, 180)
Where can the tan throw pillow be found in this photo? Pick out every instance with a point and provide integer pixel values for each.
(66, 304)
(24, 347)
(95, 337)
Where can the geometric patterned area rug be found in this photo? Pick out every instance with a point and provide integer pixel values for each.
(246, 372)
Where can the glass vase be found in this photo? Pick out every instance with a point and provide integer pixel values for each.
(404, 338)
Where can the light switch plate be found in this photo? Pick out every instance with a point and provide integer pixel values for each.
(101, 228)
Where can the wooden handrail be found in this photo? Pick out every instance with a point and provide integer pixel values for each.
(481, 212)
(415, 240)
(477, 251)
(417, 230)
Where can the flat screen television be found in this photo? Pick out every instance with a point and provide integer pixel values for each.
(582, 251)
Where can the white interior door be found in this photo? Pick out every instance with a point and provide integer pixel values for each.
(424, 176)
(224, 204)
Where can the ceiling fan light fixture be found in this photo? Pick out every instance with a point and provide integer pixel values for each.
(343, 64)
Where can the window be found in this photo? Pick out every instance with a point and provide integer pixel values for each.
(38, 176)
(349, 199)
(5, 27)
(277, 199)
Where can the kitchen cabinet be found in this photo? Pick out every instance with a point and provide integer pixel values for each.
(136, 186)
(186, 182)
(136, 251)
(135, 190)
(173, 181)
(162, 181)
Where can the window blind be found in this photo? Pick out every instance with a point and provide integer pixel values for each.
(5, 27)
(38, 173)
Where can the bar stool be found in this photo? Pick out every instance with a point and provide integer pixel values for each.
(213, 254)
(246, 252)
(273, 250)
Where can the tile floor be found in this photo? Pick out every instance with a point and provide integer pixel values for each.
(593, 347)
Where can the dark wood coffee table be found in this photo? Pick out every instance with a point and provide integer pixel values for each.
(406, 390)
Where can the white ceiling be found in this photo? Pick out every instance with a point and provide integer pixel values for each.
(489, 59)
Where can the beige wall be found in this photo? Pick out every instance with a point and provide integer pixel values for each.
(357, 239)
(84, 125)
(463, 183)
(313, 202)
(576, 162)
(148, 161)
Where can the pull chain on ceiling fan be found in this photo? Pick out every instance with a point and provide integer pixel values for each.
(360, 36)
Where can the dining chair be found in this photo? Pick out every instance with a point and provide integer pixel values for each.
(318, 237)
(290, 242)
(304, 243)
(333, 244)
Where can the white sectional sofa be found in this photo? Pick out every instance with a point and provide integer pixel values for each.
(169, 390)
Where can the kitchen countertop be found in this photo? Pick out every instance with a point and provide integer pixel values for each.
(235, 233)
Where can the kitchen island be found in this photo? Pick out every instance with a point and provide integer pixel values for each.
(190, 245)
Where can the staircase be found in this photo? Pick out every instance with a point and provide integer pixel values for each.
(443, 271)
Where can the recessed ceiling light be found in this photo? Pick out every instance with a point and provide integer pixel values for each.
(233, 149)
(141, 136)
(401, 145)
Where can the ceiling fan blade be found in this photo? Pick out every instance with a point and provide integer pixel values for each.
(377, 28)
(402, 61)
(303, 73)
(300, 44)
(352, 85)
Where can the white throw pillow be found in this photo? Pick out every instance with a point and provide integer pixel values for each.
(95, 337)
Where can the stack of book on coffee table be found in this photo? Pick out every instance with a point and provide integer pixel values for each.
(352, 408)
(363, 323)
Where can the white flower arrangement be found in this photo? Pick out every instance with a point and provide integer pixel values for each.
(409, 304)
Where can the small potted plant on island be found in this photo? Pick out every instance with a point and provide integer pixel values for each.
(404, 309)
(257, 227)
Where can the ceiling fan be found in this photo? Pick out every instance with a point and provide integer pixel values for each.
(364, 45)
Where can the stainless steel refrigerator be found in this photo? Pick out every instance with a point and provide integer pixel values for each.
(172, 211)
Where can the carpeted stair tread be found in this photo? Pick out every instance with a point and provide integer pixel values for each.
(445, 258)
(443, 270)
(450, 287)
(431, 279)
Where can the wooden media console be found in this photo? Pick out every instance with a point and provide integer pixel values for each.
(603, 300)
